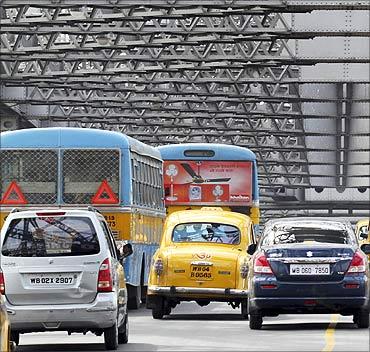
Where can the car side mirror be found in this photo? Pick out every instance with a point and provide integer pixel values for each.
(251, 248)
(126, 251)
(365, 248)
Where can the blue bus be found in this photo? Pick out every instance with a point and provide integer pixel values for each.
(78, 167)
(205, 174)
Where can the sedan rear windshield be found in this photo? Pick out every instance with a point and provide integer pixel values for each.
(282, 235)
(206, 232)
(50, 236)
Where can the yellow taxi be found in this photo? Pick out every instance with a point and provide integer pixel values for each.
(362, 231)
(5, 344)
(202, 257)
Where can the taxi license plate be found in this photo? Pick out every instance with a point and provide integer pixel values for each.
(310, 269)
(201, 272)
(51, 280)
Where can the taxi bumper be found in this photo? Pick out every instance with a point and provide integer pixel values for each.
(178, 290)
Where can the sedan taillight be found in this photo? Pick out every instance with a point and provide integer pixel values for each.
(357, 264)
(261, 265)
(2, 283)
(105, 281)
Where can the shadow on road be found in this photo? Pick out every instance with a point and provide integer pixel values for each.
(307, 326)
(225, 317)
(78, 347)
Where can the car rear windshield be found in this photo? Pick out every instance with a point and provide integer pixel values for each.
(206, 232)
(50, 236)
(284, 234)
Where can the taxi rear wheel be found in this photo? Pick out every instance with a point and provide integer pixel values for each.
(158, 308)
(244, 309)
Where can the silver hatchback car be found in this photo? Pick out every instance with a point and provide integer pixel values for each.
(60, 270)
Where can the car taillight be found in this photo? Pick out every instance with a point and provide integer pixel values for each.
(244, 270)
(158, 266)
(2, 283)
(261, 265)
(357, 264)
(105, 282)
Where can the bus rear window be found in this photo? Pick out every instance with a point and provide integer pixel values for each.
(199, 153)
(50, 236)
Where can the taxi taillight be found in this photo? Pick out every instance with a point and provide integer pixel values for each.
(158, 266)
(105, 281)
(2, 283)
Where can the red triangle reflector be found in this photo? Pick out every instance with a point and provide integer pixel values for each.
(13, 195)
(104, 195)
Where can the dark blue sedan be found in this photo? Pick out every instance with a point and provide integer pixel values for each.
(308, 265)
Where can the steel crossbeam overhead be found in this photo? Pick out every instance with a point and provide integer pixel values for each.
(288, 79)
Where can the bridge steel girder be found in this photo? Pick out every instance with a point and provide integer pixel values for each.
(228, 71)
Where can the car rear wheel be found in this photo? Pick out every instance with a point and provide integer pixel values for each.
(111, 337)
(244, 309)
(361, 319)
(123, 331)
(255, 321)
(14, 336)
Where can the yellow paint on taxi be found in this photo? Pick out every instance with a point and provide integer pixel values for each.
(363, 225)
(203, 264)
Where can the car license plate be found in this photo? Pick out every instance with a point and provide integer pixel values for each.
(310, 269)
(201, 272)
(52, 280)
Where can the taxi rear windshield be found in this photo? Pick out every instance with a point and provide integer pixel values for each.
(50, 236)
(206, 232)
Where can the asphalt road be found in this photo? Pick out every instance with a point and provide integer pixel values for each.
(216, 327)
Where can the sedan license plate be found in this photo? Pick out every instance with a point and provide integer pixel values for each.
(52, 280)
(201, 272)
(310, 269)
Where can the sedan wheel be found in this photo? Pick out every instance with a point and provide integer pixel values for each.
(362, 319)
(255, 321)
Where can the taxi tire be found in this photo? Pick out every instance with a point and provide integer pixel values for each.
(158, 310)
(255, 321)
(111, 337)
(362, 319)
(123, 331)
(14, 336)
(244, 309)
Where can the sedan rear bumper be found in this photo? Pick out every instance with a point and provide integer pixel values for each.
(100, 314)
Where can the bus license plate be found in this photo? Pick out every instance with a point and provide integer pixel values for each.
(310, 269)
(201, 272)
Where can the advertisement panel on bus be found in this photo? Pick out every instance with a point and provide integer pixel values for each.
(208, 182)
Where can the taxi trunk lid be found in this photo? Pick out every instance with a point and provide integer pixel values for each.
(206, 267)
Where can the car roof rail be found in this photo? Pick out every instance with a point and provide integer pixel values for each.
(91, 208)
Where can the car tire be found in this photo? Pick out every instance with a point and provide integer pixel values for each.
(14, 336)
(244, 309)
(255, 321)
(111, 337)
(123, 331)
(134, 297)
(361, 319)
(167, 311)
(158, 310)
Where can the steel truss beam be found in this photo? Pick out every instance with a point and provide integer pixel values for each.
(225, 71)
